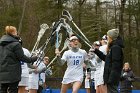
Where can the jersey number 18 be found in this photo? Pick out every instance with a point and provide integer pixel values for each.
(76, 62)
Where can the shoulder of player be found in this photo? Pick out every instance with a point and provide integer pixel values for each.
(82, 50)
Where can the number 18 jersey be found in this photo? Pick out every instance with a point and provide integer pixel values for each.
(75, 60)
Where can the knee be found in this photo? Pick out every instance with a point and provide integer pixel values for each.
(74, 91)
(63, 91)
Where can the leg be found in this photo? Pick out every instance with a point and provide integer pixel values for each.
(64, 88)
(97, 89)
(103, 88)
(3, 88)
(32, 90)
(76, 86)
(33, 86)
(23, 84)
(87, 90)
(13, 87)
(21, 89)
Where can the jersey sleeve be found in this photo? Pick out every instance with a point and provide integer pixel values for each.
(64, 56)
(26, 52)
(85, 55)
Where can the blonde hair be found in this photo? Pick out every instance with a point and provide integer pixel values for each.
(110, 40)
(10, 29)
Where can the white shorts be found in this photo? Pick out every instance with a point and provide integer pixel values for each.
(68, 80)
(99, 77)
(33, 85)
(24, 81)
(33, 81)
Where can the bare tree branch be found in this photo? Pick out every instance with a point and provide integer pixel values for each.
(23, 12)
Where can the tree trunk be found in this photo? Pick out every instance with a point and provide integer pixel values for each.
(80, 3)
(130, 32)
(98, 15)
(59, 8)
(121, 18)
(115, 13)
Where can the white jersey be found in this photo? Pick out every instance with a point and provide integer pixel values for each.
(25, 72)
(100, 68)
(93, 61)
(42, 74)
(34, 77)
(75, 60)
(103, 49)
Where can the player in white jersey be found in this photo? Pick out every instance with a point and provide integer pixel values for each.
(75, 58)
(25, 74)
(90, 80)
(34, 76)
(43, 75)
(99, 82)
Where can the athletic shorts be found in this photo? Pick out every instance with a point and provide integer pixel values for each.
(68, 80)
(24, 81)
(33, 85)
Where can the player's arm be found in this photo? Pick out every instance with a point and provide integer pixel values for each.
(60, 61)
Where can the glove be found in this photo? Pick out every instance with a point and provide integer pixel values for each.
(129, 79)
(91, 50)
(48, 72)
(31, 71)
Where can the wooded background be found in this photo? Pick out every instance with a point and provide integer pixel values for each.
(93, 17)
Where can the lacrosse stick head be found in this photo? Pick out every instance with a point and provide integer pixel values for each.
(67, 14)
(68, 28)
(62, 20)
(38, 53)
(43, 28)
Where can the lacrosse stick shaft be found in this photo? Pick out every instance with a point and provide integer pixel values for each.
(41, 51)
(80, 31)
(57, 42)
(54, 58)
(35, 46)
(68, 15)
(64, 47)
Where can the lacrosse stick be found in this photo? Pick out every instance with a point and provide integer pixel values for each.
(71, 32)
(68, 15)
(43, 27)
(57, 36)
(67, 27)
(55, 30)
(64, 47)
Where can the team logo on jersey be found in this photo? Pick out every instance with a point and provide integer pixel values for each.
(75, 56)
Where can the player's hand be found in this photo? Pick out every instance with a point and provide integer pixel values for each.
(57, 52)
(91, 50)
